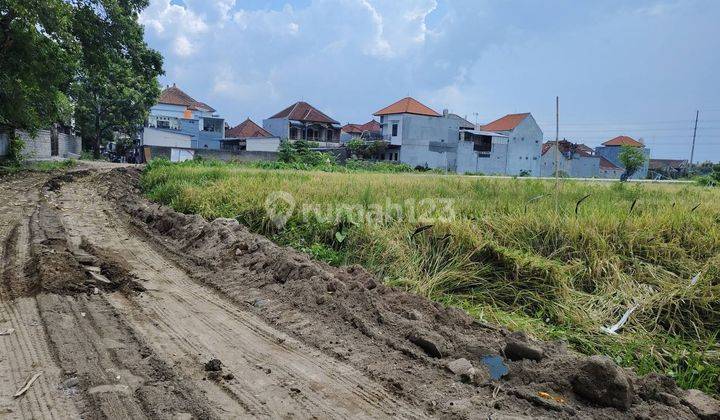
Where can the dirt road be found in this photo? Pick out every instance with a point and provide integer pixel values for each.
(119, 305)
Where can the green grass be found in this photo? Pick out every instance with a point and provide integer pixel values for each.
(40, 166)
(507, 256)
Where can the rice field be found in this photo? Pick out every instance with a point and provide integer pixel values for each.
(562, 263)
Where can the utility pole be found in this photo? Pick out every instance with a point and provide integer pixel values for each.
(557, 141)
(692, 150)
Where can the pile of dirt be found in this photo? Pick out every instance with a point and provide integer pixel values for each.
(56, 266)
(437, 357)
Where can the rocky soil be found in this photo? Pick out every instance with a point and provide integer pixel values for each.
(129, 309)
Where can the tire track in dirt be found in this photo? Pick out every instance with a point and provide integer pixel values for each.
(189, 323)
(25, 351)
(117, 376)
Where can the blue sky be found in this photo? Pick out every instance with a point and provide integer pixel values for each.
(639, 68)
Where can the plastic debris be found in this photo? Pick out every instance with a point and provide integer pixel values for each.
(613, 329)
(695, 279)
(496, 366)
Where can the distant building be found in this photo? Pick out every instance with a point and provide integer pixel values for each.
(250, 137)
(574, 160)
(610, 170)
(302, 121)
(179, 121)
(667, 168)
(524, 139)
(611, 149)
(442, 141)
(371, 130)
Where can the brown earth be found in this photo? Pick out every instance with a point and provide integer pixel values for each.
(131, 310)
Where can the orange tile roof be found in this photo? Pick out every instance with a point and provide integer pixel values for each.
(303, 111)
(372, 126)
(407, 106)
(623, 141)
(506, 123)
(173, 95)
(247, 129)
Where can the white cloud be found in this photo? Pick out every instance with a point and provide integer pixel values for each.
(182, 46)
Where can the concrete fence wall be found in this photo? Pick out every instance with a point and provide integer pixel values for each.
(39, 146)
(153, 152)
(3, 144)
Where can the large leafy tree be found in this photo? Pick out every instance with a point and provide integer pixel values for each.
(117, 82)
(37, 63)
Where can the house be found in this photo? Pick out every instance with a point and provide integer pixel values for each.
(371, 130)
(524, 142)
(444, 141)
(667, 168)
(56, 141)
(610, 170)
(250, 137)
(574, 160)
(181, 122)
(302, 121)
(611, 149)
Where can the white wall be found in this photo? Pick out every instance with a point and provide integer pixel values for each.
(468, 160)
(159, 137)
(278, 127)
(262, 144)
(417, 132)
(176, 111)
(525, 147)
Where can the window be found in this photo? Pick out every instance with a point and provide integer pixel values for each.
(293, 133)
(163, 124)
(394, 129)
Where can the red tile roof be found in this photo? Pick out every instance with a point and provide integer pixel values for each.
(606, 164)
(506, 123)
(247, 129)
(623, 141)
(303, 111)
(173, 95)
(407, 106)
(371, 126)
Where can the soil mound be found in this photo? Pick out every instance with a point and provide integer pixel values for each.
(439, 357)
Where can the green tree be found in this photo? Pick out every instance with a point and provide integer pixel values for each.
(117, 79)
(356, 147)
(632, 158)
(37, 64)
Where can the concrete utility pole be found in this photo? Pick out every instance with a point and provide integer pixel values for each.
(557, 140)
(692, 150)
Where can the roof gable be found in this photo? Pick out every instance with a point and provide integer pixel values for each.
(173, 95)
(371, 126)
(506, 123)
(623, 141)
(606, 164)
(303, 111)
(247, 129)
(407, 106)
